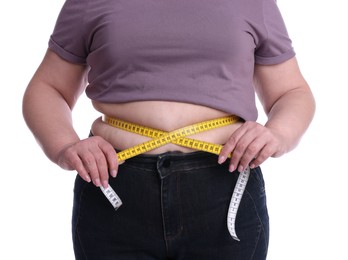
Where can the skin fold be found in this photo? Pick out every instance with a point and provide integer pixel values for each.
(57, 84)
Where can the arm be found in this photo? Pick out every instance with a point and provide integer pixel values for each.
(47, 109)
(289, 105)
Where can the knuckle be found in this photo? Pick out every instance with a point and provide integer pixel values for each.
(103, 170)
(105, 145)
(70, 152)
(244, 161)
(104, 177)
(69, 162)
(112, 155)
(235, 159)
(88, 159)
(241, 148)
(80, 169)
(113, 162)
(98, 140)
(94, 175)
(251, 150)
(231, 141)
(74, 162)
(100, 158)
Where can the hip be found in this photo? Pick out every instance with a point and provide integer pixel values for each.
(174, 201)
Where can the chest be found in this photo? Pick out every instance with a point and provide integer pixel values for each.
(158, 32)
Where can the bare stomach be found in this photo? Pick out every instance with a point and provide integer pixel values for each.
(162, 115)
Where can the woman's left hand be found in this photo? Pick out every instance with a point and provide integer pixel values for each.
(289, 105)
(251, 145)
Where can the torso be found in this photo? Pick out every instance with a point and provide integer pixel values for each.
(162, 115)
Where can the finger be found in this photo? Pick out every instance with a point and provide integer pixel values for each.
(230, 145)
(241, 149)
(83, 173)
(227, 150)
(264, 154)
(74, 163)
(251, 152)
(111, 158)
(90, 165)
(102, 168)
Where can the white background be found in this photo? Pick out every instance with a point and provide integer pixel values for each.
(307, 189)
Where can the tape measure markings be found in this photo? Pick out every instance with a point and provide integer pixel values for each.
(178, 137)
(112, 196)
(235, 202)
(186, 142)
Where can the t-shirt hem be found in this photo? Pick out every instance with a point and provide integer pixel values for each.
(275, 60)
(52, 45)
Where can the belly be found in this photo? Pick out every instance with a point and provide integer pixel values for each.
(162, 115)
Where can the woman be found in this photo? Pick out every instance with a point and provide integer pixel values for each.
(167, 65)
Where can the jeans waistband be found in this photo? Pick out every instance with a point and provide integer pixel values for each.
(175, 161)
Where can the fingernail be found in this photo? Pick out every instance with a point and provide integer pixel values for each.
(240, 168)
(97, 182)
(113, 173)
(252, 166)
(105, 184)
(221, 159)
(231, 168)
(88, 179)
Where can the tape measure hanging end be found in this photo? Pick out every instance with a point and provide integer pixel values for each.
(178, 136)
(235, 202)
(112, 196)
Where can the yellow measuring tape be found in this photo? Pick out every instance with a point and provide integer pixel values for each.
(178, 137)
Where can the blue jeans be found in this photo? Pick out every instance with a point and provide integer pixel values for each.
(174, 207)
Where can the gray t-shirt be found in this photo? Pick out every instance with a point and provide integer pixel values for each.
(195, 51)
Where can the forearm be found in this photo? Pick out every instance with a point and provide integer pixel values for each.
(49, 117)
(290, 117)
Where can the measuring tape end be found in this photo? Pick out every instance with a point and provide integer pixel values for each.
(112, 196)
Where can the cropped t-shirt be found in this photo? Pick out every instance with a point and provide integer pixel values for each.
(194, 51)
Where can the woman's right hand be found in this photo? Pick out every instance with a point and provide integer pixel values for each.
(92, 158)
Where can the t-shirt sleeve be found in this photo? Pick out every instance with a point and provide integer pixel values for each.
(276, 47)
(68, 39)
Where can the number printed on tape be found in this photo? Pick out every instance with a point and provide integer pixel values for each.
(178, 137)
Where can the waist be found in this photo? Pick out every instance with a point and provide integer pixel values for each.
(165, 116)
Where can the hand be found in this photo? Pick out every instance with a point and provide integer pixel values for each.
(251, 144)
(91, 158)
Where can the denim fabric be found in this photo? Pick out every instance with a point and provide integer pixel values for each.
(174, 207)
